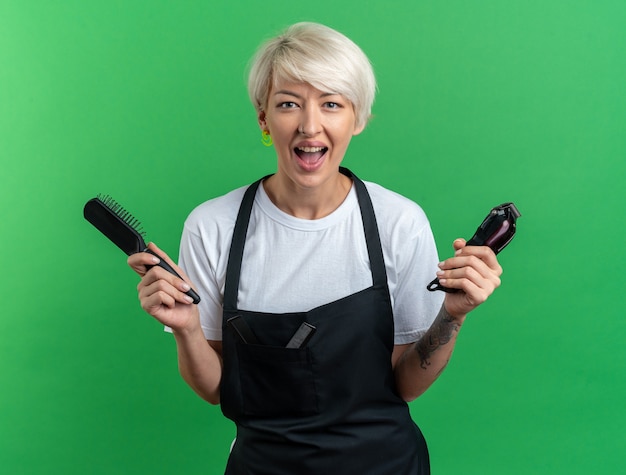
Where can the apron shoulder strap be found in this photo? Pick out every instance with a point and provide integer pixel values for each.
(370, 226)
(235, 256)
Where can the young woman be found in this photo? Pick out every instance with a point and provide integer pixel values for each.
(312, 247)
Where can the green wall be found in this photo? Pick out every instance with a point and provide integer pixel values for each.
(480, 102)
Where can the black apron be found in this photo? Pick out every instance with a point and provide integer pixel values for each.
(332, 406)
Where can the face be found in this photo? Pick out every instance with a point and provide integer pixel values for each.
(311, 131)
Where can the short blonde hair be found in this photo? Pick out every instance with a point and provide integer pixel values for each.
(317, 55)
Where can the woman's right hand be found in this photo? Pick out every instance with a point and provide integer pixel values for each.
(162, 294)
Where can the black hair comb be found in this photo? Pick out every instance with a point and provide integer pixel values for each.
(496, 231)
(112, 220)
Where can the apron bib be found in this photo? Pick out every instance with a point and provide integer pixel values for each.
(330, 406)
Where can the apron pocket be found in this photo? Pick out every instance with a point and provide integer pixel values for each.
(276, 380)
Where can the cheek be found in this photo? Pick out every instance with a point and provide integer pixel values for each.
(344, 129)
(282, 130)
(343, 137)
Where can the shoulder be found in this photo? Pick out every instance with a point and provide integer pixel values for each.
(395, 211)
(215, 213)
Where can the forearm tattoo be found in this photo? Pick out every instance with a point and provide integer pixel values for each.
(440, 333)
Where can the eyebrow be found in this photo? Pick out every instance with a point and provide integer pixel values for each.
(291, 93)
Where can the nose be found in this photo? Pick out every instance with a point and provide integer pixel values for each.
(310, 122)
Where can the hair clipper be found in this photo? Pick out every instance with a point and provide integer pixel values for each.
(496, 231)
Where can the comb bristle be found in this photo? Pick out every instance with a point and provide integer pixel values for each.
(119, 210)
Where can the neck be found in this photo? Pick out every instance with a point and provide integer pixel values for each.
(307, 203)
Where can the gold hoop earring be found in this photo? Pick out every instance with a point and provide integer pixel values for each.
(266, 138)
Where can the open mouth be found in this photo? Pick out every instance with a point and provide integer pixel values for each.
(310, 155)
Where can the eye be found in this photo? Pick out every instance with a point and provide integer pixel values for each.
(287, 105)
(332, 105)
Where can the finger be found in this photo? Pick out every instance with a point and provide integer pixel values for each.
(470, 267)
(480, 276)
(156, 301)
(476, 286)
(459, 244)
(465, 260)
(141, 262)
(158, 278)
(483, 253)
(154, 248)
(161, 292)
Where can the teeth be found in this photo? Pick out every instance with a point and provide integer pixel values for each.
(311, 149)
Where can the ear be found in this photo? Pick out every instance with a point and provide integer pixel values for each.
(358, 129)
(261, 119)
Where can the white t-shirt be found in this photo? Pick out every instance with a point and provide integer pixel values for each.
(294, 265)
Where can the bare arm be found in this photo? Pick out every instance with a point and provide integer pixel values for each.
(476, 272)
(162, 296)
(418, 365)
(200, 364)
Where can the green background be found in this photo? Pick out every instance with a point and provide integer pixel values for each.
(480, 102)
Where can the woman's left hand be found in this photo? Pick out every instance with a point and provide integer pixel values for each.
(475, 271)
